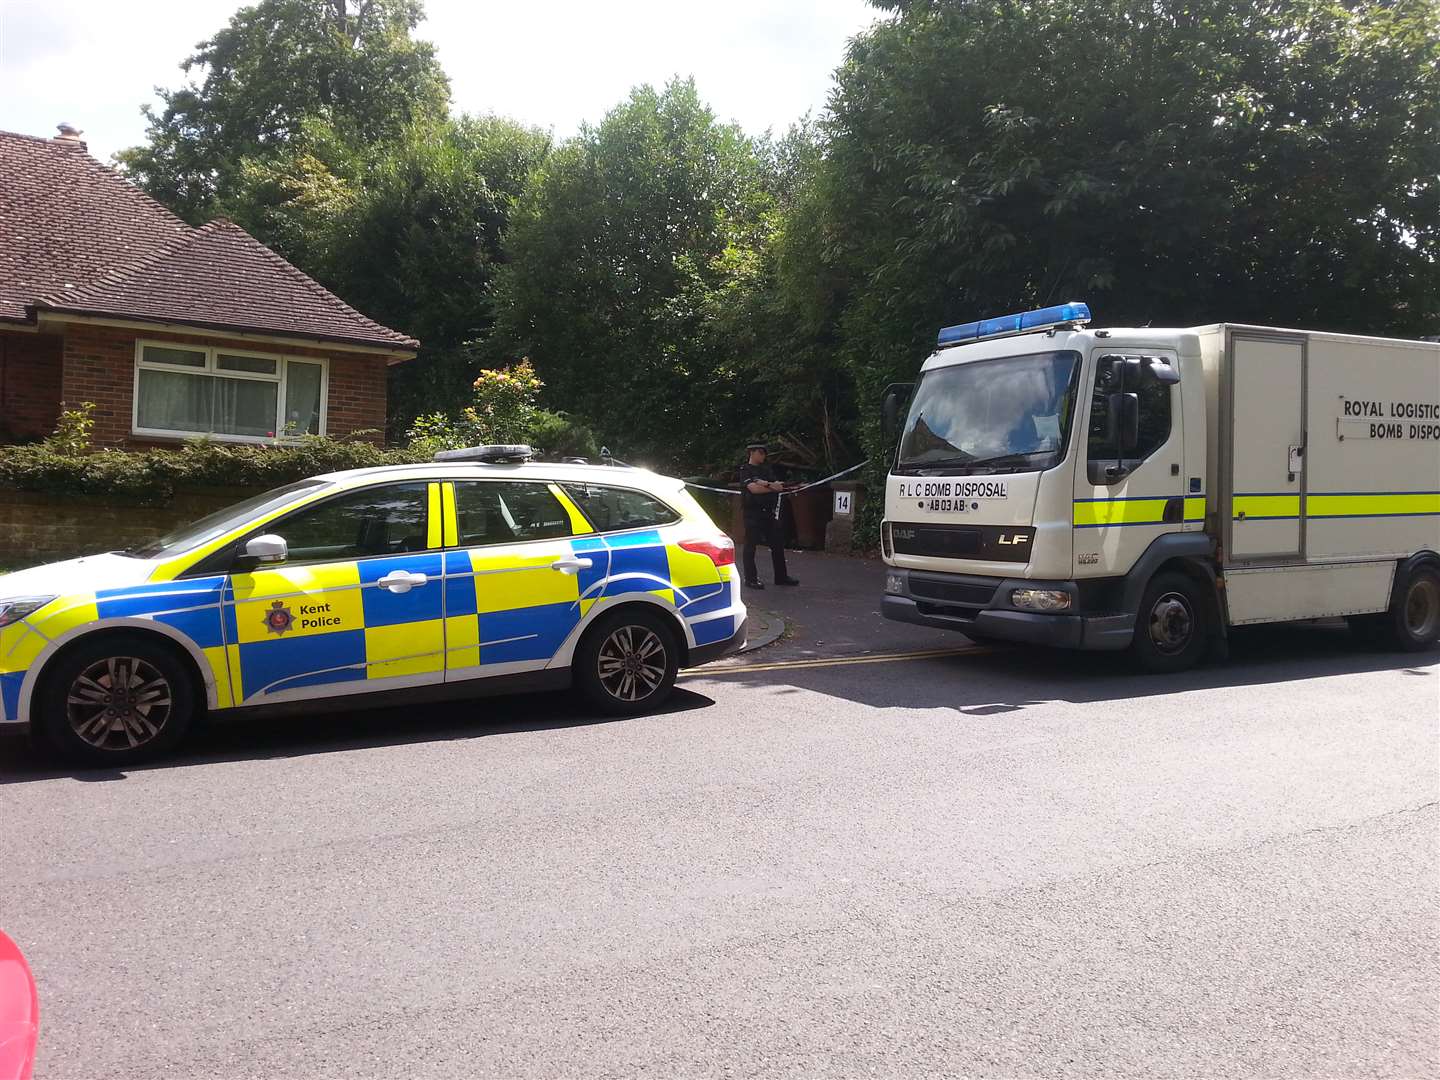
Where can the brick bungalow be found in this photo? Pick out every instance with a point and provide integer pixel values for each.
(173, 332)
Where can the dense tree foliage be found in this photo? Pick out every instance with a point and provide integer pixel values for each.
(617, 255)
(1169, 161)
(277, 65)
(682, 286)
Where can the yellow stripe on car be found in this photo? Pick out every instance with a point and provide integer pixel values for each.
(579, 524)
(434, 518)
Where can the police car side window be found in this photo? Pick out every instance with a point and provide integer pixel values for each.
(610, 508)
(387, 520)
(496, 512)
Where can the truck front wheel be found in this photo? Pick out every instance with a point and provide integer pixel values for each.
(1171, 629)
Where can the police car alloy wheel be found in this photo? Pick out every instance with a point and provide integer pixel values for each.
(628, 662)
(116, 700)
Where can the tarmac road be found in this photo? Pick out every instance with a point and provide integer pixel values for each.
(994, 862)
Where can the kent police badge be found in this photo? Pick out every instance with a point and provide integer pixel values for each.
(278, 619)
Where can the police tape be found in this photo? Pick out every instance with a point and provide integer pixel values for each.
(787, 491)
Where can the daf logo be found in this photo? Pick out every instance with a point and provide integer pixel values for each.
(1013, 541)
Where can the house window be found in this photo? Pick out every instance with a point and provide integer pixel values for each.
(188, 390)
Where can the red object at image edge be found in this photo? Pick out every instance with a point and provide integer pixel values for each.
(19, 1013)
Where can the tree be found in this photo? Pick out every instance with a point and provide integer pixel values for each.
(350, 64)
(616, 253)
(1169, 161)
(408, 232)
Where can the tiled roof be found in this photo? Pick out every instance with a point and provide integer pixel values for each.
(65, 219)
(222, 277)
(77, 237)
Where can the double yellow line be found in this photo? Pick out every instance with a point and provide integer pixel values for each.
(837, 661)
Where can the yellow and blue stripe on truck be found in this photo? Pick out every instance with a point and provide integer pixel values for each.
(1137, 510)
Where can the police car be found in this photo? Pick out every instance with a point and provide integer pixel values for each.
(484, 572)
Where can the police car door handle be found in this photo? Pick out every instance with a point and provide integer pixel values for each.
(571, 565)
(401, 581)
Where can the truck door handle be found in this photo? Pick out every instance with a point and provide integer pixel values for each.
(401, 581)
(571, 565)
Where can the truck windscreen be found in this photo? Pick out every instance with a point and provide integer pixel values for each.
(1010, 414)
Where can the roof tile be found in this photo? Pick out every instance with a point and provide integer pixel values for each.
(76, 237)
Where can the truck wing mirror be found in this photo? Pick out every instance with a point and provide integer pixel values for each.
(897, 396)
(1161, 370)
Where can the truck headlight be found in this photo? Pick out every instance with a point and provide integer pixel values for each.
(1041, 599)
(12, 611)
(895, 584)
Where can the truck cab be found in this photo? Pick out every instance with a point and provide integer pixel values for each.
(1068, 486)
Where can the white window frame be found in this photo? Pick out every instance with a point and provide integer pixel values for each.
(212, 370)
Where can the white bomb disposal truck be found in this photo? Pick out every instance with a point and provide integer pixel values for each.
(1148, 489)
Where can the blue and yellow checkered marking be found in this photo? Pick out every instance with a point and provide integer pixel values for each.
(508, 605)
(479, 607)
(269, 667)
(191, 607)
(10, 683)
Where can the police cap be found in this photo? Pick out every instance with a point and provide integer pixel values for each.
(757, 446)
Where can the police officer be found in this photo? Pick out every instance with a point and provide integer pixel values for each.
(760, 496)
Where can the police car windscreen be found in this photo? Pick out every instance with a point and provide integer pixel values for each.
(222, 521)
(1010, 414)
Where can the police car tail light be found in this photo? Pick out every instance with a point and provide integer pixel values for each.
(718, 549)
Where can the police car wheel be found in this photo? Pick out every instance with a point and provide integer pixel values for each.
(117, 701)
(1171, 631)
(627, 662)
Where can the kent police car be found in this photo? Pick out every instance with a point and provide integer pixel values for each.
(484, 572)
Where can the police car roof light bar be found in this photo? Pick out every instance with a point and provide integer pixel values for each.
(1025, 322)
(490, 455)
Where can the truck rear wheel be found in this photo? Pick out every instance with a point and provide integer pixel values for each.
(1413, 621)
(1172, 628)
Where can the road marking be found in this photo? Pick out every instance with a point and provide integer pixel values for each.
(838, 661)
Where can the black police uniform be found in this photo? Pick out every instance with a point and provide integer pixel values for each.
(762, 523)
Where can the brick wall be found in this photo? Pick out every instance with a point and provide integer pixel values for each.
(99, 366)
(29, 385)
(36, 528)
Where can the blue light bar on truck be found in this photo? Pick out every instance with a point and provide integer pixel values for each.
(1023, 322)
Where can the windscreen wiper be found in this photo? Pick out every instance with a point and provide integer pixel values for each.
(1019, 458)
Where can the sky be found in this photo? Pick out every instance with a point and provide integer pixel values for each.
(551, 63)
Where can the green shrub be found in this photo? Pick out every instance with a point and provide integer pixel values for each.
(558, 435)
(66, 464)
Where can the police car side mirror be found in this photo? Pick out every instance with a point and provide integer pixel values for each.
(268, 548)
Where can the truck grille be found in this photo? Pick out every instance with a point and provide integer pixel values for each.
(972, 593)
(992, 543)
(952, 541)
